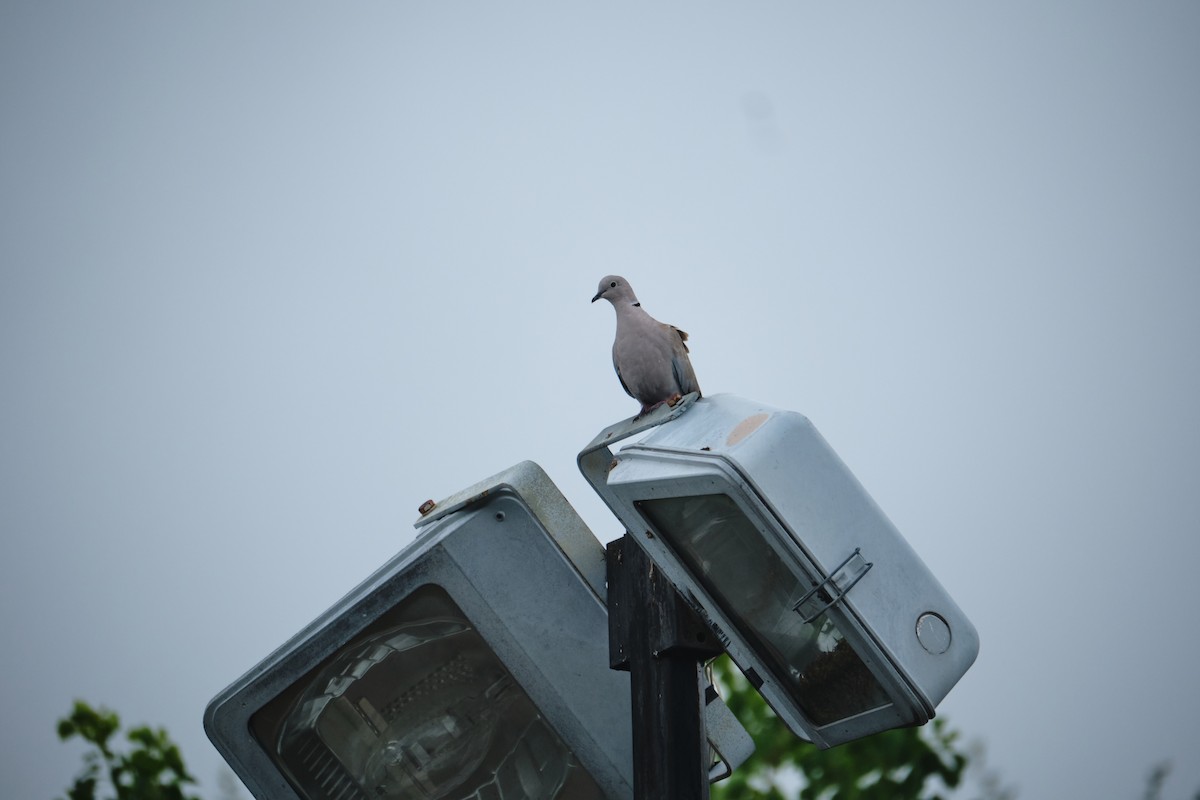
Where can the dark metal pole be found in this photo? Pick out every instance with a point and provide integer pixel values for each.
(663, 644)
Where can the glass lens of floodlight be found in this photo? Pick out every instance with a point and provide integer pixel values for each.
(420, 708)
(757, 590)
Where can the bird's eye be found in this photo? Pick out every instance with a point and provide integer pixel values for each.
(612, 285)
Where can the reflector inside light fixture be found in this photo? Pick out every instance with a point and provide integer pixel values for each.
(737, 566)
(417, 706)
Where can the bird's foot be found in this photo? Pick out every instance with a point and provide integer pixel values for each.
(673, 399)
(647, 409)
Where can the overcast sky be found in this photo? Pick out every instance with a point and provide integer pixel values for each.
(272, 275)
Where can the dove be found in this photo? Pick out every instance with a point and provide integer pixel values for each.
(650, 357)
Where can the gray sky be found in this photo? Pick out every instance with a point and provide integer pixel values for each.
(271, 277)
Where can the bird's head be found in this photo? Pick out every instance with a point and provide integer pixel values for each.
(615, 289)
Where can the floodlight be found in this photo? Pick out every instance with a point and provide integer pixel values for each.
(815, 595)
(472, 666)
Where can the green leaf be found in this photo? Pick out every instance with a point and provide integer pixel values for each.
(152, 769)
(903, 764)
(84, 789)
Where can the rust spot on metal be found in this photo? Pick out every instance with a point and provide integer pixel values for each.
(746, 427)
(612, 465)
(426, 507)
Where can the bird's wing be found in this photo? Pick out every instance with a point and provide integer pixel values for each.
(682, 336)
(681, 365)
(617, 369)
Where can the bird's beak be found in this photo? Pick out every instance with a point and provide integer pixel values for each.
(597, 297)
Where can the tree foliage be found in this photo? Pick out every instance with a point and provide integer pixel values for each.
(151, 768)
(904, 764)
(1156, 778)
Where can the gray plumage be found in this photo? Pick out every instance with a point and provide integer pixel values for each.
(650, 357)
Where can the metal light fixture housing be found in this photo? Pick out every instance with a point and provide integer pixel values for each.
(473, 665)
(816, 596)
